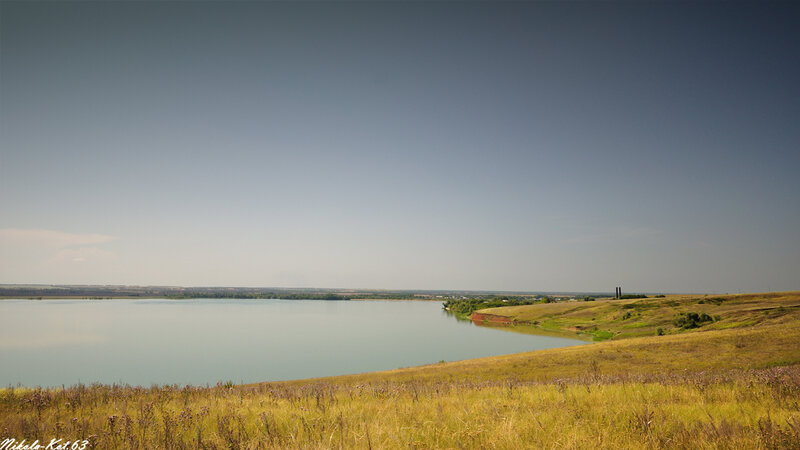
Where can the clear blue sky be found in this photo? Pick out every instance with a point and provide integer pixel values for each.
(421, 145)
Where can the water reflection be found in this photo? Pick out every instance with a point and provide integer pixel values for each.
(142, 342)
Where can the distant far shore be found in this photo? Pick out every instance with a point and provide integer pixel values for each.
(107, 292)
(399, 299)
(130, 297)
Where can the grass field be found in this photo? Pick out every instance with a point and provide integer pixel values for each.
(621, 319)
(730, 383)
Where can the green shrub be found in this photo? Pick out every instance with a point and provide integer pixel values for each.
(691, 320)
(463, 308)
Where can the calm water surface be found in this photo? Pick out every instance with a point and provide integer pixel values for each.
(203, 341)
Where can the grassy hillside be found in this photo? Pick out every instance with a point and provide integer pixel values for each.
(727, 384)
(621, 319)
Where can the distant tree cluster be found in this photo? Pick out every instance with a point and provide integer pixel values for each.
(465, 307)
(691, 320)
(257, 295)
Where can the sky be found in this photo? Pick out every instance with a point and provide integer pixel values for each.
(536, 146)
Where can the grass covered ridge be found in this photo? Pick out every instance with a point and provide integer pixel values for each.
(621, 319)
(723, 387)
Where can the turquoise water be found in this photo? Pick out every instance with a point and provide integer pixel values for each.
(204, 341)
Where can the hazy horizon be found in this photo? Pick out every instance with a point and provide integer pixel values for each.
(503, 146)
(335, 288)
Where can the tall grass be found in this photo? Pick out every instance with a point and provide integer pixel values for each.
(721, 409)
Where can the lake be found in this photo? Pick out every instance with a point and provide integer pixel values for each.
(204, 341)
